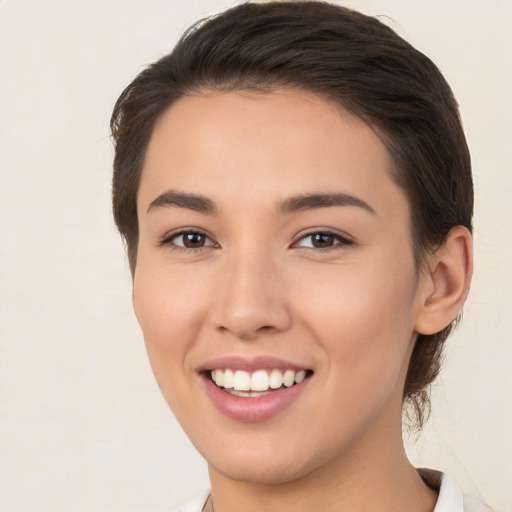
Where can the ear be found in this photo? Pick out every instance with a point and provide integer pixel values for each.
(445, 282)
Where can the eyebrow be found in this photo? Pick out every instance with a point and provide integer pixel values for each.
(322, 200)
(194, 202)
(299, 203)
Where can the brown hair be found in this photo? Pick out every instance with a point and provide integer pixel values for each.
(347, 58)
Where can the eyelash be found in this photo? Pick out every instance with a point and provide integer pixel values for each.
(168, 240)
(341, 241)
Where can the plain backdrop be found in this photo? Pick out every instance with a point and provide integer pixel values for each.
(83, 426)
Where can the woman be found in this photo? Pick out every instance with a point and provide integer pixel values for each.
(294, 188)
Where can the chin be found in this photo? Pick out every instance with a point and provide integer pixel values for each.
(266, 473)
(267, 465)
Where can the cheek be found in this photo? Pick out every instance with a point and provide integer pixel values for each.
(363, 324)
(170, 308)
(363, 315)
(167, 302)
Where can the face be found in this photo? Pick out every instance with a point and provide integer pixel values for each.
(275, 258)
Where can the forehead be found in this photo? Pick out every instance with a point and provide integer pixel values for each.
(253, 145)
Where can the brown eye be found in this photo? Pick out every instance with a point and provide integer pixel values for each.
(323, 240)
(193, 240)
(189, 240)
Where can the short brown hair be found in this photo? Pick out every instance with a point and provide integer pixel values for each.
(347, 58)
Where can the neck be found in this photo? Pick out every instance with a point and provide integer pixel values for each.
(374, 475)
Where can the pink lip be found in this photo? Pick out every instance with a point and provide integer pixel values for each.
(250, 364)
(251, 409)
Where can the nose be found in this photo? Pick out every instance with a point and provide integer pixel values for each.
(251, 299)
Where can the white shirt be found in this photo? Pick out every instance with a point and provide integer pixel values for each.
(450, 499)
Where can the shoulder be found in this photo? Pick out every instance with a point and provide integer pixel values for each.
(196, 504)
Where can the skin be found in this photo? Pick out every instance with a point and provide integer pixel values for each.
(349, 312)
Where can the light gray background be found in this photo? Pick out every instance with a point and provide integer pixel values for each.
(83, 426)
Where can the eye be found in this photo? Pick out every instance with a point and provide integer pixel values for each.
(323, 240)
(188, 240)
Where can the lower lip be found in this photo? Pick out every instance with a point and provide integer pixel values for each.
(253, 409)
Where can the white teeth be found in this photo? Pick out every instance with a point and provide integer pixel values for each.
(229, 378)
(259, 381)
(289, 378)
(300, 376)
(242, 381)
(276, 379)
(247, 394)
(218, 377)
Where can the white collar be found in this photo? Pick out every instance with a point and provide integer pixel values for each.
(450, 498)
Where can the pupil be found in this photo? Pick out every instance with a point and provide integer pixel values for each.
(193, 240)
(322, 240)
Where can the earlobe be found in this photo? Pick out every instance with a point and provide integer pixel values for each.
(446, 282)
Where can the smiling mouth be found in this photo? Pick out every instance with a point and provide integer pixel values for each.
(255, 384)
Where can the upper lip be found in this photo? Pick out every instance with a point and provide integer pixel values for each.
(250, 363)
